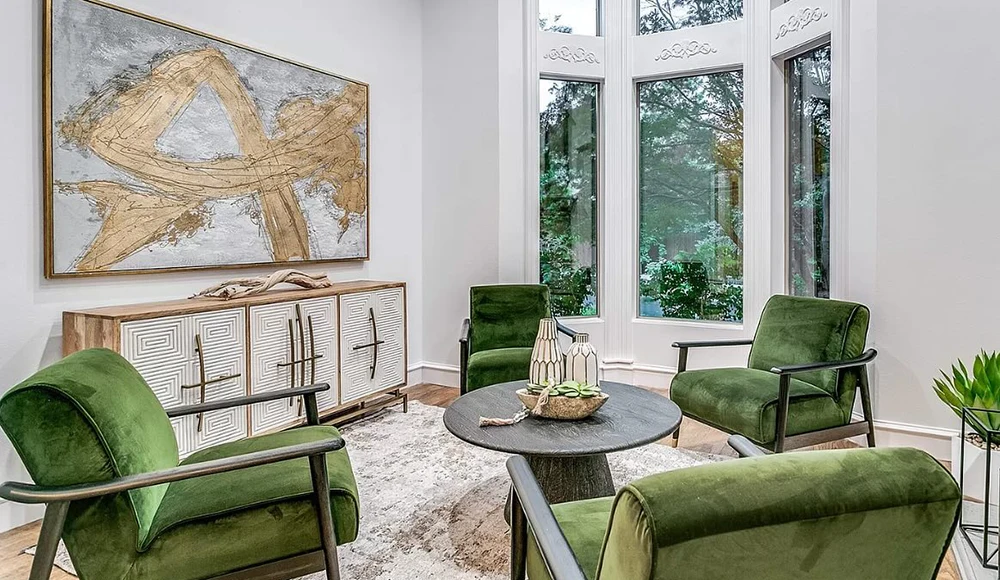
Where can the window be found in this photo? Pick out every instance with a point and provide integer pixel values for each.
(691, 198)
(570, 16)
(568, 188)
(809, 173)
(664, 15)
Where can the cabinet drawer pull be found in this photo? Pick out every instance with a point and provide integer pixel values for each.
(204, 380)
(293, 361)
(374, 344)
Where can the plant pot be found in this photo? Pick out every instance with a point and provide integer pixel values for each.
(564, 408)
(974, 483)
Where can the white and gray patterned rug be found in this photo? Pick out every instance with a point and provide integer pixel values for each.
(432, 505)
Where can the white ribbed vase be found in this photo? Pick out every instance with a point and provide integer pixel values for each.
(581, 360)
(546, 357)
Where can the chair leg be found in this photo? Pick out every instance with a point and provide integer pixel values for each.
(321, 493)
(781, 421)
(518, 538)
(48, 541)
(866, 405)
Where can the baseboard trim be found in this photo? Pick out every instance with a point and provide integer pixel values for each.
(434, 373)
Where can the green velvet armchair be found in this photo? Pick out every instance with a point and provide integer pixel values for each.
(104, 460)
(497, 338)
(823, 515)
(807, 360)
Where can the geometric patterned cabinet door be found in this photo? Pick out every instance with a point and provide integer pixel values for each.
(292, 344)
(372, 343)
(223, 340)
(322, 343)
(165, 352)
(271, 350)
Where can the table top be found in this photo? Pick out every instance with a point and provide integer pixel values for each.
(631, 417)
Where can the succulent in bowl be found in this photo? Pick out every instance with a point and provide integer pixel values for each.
(568, 389)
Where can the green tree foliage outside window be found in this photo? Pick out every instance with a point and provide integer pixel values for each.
(809, 173)
(691, 197)
(663, 15)
(568, 196)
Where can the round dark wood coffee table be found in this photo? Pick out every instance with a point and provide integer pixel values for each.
(569, 458)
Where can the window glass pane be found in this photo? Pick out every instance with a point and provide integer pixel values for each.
(809, 174)
(569, 16)
(568, 196)
(691, 198)
(663, 15)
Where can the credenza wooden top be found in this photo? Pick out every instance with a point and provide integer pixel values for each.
(201, 304)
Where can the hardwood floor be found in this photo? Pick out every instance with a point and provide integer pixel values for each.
(15, 566)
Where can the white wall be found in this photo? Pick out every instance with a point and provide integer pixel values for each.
(938, 232)
(378, 42)
(461, 169)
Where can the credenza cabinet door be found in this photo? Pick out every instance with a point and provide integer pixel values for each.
(292, 344)
(272, 350)
(372, 335)
(223, 340)
(323, 313)
(165, 353)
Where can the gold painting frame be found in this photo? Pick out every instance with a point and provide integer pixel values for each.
(49, 189)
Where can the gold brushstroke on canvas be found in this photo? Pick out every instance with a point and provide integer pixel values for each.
(314, 141)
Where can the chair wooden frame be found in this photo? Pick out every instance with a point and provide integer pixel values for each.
(57, 499)
(782, 441)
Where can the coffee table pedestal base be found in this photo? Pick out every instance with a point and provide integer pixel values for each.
(564, 479)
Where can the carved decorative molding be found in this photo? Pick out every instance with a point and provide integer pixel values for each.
(801, 19)
(686, 49)
(576, 54)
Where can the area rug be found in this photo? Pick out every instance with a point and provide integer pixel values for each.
(432, 505)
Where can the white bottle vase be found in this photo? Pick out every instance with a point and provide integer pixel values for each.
(581, 360)
(546, 357)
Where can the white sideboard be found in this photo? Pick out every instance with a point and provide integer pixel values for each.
(351, 336)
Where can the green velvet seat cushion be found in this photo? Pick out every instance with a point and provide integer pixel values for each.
(584, 524)
(220, 523)
(745, 401)
(506, 315)
(500, 365)
(822, 515)
(218, 495)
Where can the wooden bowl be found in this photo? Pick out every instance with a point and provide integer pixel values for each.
(564, 408)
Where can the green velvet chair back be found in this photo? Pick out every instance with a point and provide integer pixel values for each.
(506, 315)
(91, 417)
(795, 330)
(822, 515)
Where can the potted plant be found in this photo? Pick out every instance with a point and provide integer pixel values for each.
(569, 400)
(980, 390)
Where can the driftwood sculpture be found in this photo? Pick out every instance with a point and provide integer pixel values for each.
(242, 287)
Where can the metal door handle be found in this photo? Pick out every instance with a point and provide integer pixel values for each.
(204, 380)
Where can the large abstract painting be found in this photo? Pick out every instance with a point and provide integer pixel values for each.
(169, 149)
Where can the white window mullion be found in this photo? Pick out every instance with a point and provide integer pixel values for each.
(618, 232)
(531, 147)
(759, 72)
(840, 173)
